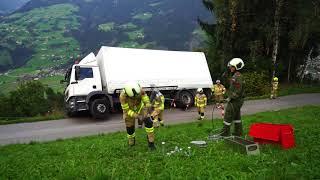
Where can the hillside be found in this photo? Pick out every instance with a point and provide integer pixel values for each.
(8, 6)
(48, 35)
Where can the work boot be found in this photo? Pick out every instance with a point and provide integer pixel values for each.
(151, 146)
(150, 138)
(237, 129)
(131, 141)
(225, 131)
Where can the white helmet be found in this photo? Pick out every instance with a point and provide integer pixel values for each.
(200, 90)
(217, 81)
(237, 63)
(132, 89)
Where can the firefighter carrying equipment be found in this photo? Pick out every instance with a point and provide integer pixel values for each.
(134, 105)
(158, 108)
(235, 102)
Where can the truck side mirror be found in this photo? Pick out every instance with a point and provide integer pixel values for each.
(77, 72)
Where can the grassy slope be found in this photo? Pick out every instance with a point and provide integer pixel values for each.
(290, 89)
(107, 156)
(41, 29)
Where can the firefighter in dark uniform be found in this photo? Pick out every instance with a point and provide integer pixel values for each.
(235, 99)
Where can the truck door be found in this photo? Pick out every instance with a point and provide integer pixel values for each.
(87, 80)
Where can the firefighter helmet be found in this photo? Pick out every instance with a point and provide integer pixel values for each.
(275, 79)
(200, 90)
(132, 89)
(237, 63)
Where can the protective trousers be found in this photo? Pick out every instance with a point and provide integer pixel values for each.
(273, 93)
(233, 114)
(201, 112)
(130, 126)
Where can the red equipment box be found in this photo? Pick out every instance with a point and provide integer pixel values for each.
(266, 133)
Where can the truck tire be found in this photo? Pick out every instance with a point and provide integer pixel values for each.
(185, 99)
(100, 108)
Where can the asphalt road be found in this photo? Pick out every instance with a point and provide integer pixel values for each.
(84, 126)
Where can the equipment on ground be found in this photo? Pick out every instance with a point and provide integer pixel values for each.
(199, 143)
(243, 145)
(267, 133)
(96, 82)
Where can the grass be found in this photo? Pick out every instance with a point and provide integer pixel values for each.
(54, 83)
(107, 27)
(143, 16)
(137, 34)
(128, 26)
(108, 157)
(291, 89)
(42, 30)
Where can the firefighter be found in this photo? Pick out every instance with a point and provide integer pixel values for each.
(134, 102)
(274, 88)
(218, 90)
(235, 99)
(200, 101)
(157, 102)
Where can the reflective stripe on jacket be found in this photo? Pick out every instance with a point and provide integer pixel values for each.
(200, 100)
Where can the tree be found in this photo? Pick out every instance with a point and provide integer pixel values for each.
(29, 99)
(271, 36)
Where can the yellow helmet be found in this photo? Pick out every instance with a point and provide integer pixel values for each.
(132, 89)
(275, 79)
(237, 63)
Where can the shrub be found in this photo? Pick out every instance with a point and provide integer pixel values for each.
(256, 84)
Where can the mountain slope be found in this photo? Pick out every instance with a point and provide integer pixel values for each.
(8, 6)
(45, 35)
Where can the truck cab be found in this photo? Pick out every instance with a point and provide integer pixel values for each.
(84, 90)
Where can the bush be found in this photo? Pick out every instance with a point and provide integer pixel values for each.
(256, 84)
(31, 99)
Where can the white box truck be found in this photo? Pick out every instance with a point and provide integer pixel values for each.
(94, 84)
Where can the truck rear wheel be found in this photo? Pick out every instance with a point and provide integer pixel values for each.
(185, 98)
(100, 108)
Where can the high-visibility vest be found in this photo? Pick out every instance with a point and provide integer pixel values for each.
(275, 85)
(218, 89)
(200, 100)
(159, 102)
(132, 105)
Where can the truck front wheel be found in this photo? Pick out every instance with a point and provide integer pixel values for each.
(185, 99)
(100, 108)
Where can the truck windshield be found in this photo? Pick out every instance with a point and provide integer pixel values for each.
(85, 73)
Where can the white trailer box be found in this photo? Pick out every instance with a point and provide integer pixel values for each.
(158, 68)
(95, 83)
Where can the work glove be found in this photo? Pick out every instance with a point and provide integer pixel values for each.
(148, 105)
(135, 116)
